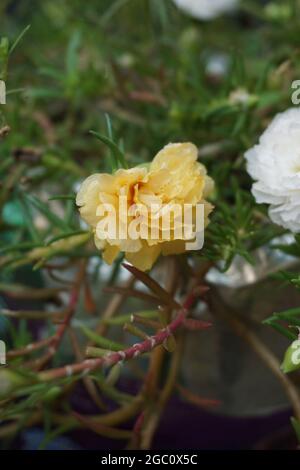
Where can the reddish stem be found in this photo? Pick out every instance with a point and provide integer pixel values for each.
(29, 348)
(132, 352)
(54, 341)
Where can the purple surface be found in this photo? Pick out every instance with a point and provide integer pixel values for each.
(185, 427)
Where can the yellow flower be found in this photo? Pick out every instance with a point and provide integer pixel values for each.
(140, 197)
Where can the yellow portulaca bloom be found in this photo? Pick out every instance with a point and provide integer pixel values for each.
(140, 196)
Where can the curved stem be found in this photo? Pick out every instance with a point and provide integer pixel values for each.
(258, 346)
(165, 395)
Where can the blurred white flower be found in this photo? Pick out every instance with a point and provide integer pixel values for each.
(205, 9)
(240, 96)
(217, 65)
(275, 165)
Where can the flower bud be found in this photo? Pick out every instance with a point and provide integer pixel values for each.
(291, 360)
(9, 381)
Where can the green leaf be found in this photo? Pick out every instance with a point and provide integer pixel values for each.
(110, 136)
(7, 162)
(100, 340)
(51, 72)
(296, 426)
(50, 436)
(292, 312)
(111, 392)
(68, 197)
(119, 157)
(114, 375)
(273, 322)
(19, 38)
(109, 126)
(44, 209)
(65, 235)
(284, 331)
(43, 93)
(19, 247)
(72, 54)
(28, 219)
(4, 45)
(112, 10)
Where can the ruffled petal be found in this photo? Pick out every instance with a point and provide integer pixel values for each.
(145, 258)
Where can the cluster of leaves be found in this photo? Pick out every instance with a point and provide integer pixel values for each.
(155, 80)
(287, 322)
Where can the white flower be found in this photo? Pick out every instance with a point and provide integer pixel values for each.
(275, 165)
(240, 96)
(217, 65)
(205, 9)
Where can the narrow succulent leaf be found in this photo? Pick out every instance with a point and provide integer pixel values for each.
(119, 157)
(296, 425)
(68, 197)
(161, 293)
(103, 430)
(121, 319)
(100, 340)
(3, 58)
(19, 38)
(44, 209)
(72, 54)
(66, 235)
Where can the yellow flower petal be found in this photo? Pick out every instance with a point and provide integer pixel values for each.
(145, 258)
(174, 247)
(173, 179)
(110, 253)
(174, 156)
